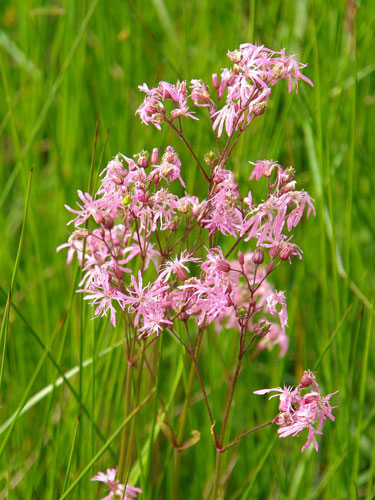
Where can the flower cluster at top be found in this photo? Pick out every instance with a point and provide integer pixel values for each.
(299, 411)
(246, 87)
(154, 255)
(115, 487)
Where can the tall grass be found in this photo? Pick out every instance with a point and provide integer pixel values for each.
(65, 66)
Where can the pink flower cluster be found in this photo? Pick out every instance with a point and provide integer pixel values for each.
(115, 487)
(247, 86)
(134, 207)
(299, 411)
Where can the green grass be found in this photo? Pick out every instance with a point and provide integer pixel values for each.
(64, 65)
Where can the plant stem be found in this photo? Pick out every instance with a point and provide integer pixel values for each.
(183, 420)
(216, 484)
(244, 434)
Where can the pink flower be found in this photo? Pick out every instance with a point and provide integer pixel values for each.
(102, 292)
(147, 302)
(301, 411)
(89, 207)
(274, 300)
(177, 266)
(115, 487)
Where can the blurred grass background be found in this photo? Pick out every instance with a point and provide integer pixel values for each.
(65, 64)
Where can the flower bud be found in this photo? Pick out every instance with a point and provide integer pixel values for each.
(156, 179)
(117, 272)
(223, 266)
(308, 378)
(287, 251)
(126, 200)
(274, 251)
(269, 267)
(215, 81)
(155, 156)
(176, 113)
(241, 258)
(259, 108)
(180, 273)
(184, 316)
(211, 158)
(108, 222)
(241, 312)
(146, 197)
(258, 256)
(143, 159)
(173, 226)
(262, 328)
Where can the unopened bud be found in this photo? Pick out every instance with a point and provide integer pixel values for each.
(173, 226)
(241, 258)
(223, 266)
(241, 312)
(108, 222)
(211, 158)
(262, 328)
(308, 378)
(274, 251)
(180, 273)
(258, 256)
(176, 113)
(259, 108)
(287, 251)
(269, 267)
(215, 81)
(146, 197)
(143, 159)
(155, 156)
(184, 316)
(287, 175)
(117, 272)
(126, 200)
(156, 179)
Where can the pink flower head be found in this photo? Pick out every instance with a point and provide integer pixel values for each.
(102, 292)
(177, 266)
(301, 411)
(115, 487)
(278, 299)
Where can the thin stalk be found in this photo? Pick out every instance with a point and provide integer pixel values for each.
(183, 421)
(216, 484)
(127, 398)
(244, 434)
(182, 137)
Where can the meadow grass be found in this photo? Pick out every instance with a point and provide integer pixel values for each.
(67, 66)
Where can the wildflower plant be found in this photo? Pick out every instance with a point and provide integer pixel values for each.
(154, 262)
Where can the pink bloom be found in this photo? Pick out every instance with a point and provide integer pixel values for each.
(89, 207)
(102, 292)
(301, 411)
(147, 302)
(263, 167)
(278, 299)
(115, 487)
(200, 92)
(177, 266)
